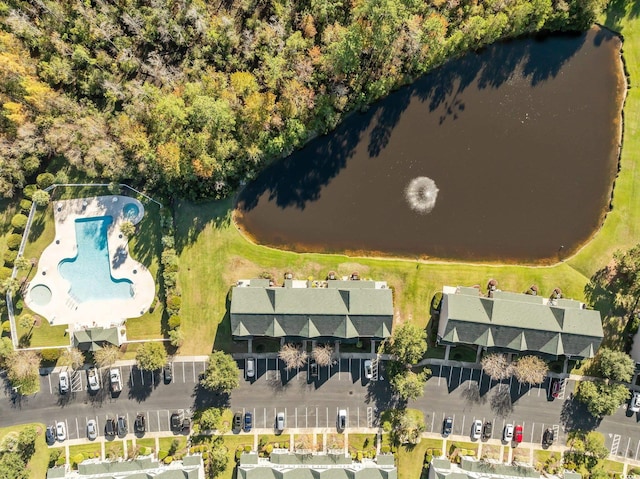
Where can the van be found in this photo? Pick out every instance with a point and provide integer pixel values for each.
(251, 368)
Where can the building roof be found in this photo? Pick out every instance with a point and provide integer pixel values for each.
(341, 309)
(92, 339)
(285, 465)
(520, 322)
(471, 468)
(191, 467)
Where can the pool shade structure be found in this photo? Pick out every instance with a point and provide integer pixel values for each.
(334, 309)
(93, 339)
(516, 322)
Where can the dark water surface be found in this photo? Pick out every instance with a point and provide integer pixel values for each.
(521, 141)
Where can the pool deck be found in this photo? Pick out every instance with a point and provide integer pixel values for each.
(63, 308)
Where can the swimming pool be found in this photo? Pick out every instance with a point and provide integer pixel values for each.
(90, 271)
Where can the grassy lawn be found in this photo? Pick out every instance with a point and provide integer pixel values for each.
(410, 459)
(232, 443)
(146, 443)
(522, 455)
(114, 449)
(39, 462)
(272, 439)
(357, 442)
(613, 467)
(490, 452)
(79, 453)
(166, 442)
(305, 441)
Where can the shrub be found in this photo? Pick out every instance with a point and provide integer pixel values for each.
(145, 451)
(29, 190)
(19, 305)
(25, 205)
(174, 321)
(436, 301)
(428, 458)
(77, 458)
(162, 455)
(238, 454)
(14, 240)
(247, 448)
(6, 327)
(174, 303)
(50, 355)
(9, 257)
(4, 273)
(269, 448)
(359, 456)
(168, 460)
(45, 180)
(19, 221)
(385, 449)
(286, 445)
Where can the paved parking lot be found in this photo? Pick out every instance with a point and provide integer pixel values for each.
(274, 370)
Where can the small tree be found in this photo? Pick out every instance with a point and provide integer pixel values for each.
(23, 370)
(151, 356)
(408, 343)
(221, 374)
(217, 457)
(530, 370)
(600, 398)
(323, 355)
(496, 366)
(27, 442)
(108, 355)
(210, 418)
(615, 365)
(22, 263)
(72, 357)
(127, 228)
(410, 385)
(41, 198)
(176, 337)
(26, 321)
(292, 356)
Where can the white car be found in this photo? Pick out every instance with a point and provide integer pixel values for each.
(634, 404)
(251, 368)
(94, 380)
(61, 431)
(280, 421)
(342, 419)
(476, 429)
(368, 369)
(64, 382)
(508, 432)
(92, 429)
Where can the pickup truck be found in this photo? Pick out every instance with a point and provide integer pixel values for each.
(116, 381)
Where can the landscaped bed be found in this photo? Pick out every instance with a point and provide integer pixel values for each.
(79, 453)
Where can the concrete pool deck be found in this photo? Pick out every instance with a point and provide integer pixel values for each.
(60, 306)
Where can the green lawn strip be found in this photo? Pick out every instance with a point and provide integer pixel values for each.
(166, 442)
(214, 255)
(39, 462)
(522, 454)
(146, 443)
(232, 443)
(468, 446)
(613, 467)
(357, 442)
(79, 453)
(43, 335)
(335, 441)
(273, 439)
(410, 458)
(114, 449)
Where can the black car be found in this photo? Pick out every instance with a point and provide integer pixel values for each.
(110, 428)
(176, 421)
(447, 426)
(168, 373)
(139, 424)
(122, 426)
(487, 429)
(548, 437)
(50, 434)
(186, 425)
(237, 421)
(313, 369)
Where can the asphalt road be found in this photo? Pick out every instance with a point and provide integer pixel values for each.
(461, 393)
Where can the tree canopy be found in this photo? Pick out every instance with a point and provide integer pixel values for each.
(600, 398)
(151, 356)
(195, 99)
(614, 365)
(222, 373)
(408, 343)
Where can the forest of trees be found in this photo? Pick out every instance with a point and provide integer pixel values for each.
(190, 98)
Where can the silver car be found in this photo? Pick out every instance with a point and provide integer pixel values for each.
(634, 404)
(508, 433)
(280, 421)
(476, 429)
(92, 429)
(368, 369)
(61, 431)
(64, 382)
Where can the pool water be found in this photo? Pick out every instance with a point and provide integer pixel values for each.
(90, 271)
(130, 211)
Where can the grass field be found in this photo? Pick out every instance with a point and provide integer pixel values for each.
(232, 442)
(410, 459)
(39, 462)
(84, 451)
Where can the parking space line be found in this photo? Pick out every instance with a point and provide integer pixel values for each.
(339, 369)
(50, 388)
(77, 429)
(296, 419)
(327, 424)
(463, 418)
(184, 379)
(460, 378)
(306, 418)
(66, 424)
(358, 414)
(316, 417)
(264, 418)
(533, 426)
(193, 364)
(141, 376)
(637, 448)
(439, 373)
(450, 372)
(433, 420)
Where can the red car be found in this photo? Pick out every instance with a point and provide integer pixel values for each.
(555, 387)
(518, 435)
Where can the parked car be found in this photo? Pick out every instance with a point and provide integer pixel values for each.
(116, 380)
(237, 421)
(50, 434)
(139, 425)
(176, 421)
(368, 368)
(634, 404)
(110, 427)
(447, 426)
(518, 435)
(342, 419)
(122, 426)
(64, 382)
(555, 387)
(548, 437)
(476, 429)
(93, 379)
(248, 421)
(508, 432)
(251, 368)
(61, 431)
(487, 429)
(186, 425)
(167, 371)
(313, 368)
(280, 421)
(92, 429)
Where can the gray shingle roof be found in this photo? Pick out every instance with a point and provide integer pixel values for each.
(520, 322)
(350, 309)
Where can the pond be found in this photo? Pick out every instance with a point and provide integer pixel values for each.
(507, 155)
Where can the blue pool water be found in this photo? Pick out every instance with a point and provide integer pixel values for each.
(90, 271)
(130, 211)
